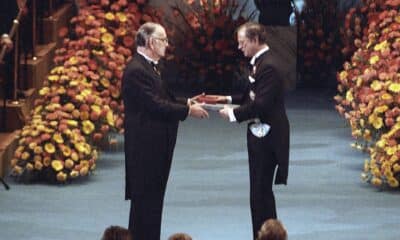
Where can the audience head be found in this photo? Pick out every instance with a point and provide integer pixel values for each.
(116, 233)
(180, 236)
(272, 229)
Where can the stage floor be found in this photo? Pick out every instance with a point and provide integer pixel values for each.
(207, 194)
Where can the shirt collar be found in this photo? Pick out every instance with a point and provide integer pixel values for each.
(259, 53)
(146, 57)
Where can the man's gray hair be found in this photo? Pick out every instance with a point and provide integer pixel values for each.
(145, 32)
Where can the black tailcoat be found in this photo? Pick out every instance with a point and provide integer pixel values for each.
(151, 122)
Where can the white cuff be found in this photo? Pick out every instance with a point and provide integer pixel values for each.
(232, 117)
(229, 99)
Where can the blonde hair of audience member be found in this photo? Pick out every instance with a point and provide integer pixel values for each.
(272, 229)
(116, 233)
(180, 236)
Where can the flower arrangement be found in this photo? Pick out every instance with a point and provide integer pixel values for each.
(369, 96)
(80, 101)
(356, 25)
(205, 33)
(318, 40)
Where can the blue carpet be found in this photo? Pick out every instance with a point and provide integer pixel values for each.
(207, 194)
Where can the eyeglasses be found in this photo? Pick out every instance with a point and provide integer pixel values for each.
(164, 40)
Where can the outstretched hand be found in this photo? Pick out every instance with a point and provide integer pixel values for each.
(224, 113)
(195, 110)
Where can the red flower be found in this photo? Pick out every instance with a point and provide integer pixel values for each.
(128, 41)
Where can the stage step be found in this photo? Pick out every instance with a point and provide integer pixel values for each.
(37, 68)
(16, 114)
(8, 144)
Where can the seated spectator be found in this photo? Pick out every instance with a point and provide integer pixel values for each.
(116, 233)
(180, 236)
(272, 229)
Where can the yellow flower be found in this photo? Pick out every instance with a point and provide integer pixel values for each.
(386, 96)
(66, 151)
(381, 143)
(110, 16)
(107, 38)
(376, 121)
(388, 173)
(122, 17)
(367, 135)
(17, 170)
(69, 107)
(38, 165)
(87, 127)
(394, 87)
(376, 181)
(393, 182)
(376, 85)
(29, 166)
(391, 150)
(105, 82)
(72, 123)
(96, 108)
(38, 109)
(57, 165)
(393, 159)
(46, 161)
(396, 167)
(359, 82)
(49, 147)
(381, 46)
(44, 91)
(32, 145)
(74, 156)
(362, 122)
(73, 60)
(69, 164)
(374, 59)
(366, 165)
(343, 75)
(84, 171)
(57, 137)
(38, 150)
(80, 147)
(74, 174)
(61, 177)
(103, 30)
(349, 96)
(37, 158)
(25, 155)
(381, 109)
(110, 118)
(53, 78)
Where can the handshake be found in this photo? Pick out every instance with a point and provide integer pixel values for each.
(197, 104)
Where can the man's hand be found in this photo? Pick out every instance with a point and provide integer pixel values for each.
(224, 113)
(194, 99)
(195, 110)
(6, 41)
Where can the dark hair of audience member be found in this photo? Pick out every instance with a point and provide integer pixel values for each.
(116, 233)
(180, 236)
(272, 229)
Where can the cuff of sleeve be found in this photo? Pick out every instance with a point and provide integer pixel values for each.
(232, 117)
(229, 99)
